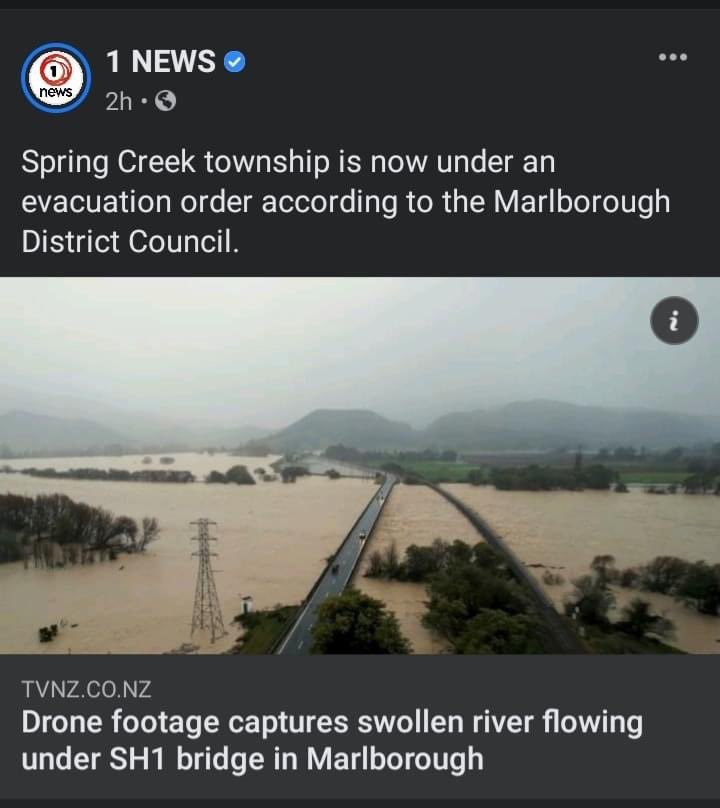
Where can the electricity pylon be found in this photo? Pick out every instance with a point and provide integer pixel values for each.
(206, 611)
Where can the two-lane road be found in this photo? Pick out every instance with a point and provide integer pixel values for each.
(338, 573)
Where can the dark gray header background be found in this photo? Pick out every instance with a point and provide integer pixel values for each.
(586, 86)
(676, 757)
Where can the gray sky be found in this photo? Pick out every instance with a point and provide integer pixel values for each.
(266, 351)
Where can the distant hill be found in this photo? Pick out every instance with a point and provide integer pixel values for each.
(361, 429)
(543, 424)
(22, 431)
(231, 437)
(137, 428)
(524, 425)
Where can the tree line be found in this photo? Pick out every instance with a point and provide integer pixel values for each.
(54, 530)
(678, 455)
(236, 474)
(595, 477)
(115, 475)
(696, 584)
(544, 478)
(347, 454)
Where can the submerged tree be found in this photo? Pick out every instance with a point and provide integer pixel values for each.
(638, 620)
(150, 532)
(53, 529)
(355, 623)
(375, 567)
(700, 587)
(590, 601)
(385, 564)
(663, 574)
(604, 567)
(239, 475)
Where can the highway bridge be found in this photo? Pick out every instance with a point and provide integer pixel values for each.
(338, 573)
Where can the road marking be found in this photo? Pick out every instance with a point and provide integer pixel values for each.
(293, 629)
(300, 644)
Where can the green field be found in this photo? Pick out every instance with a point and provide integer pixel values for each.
(437, 471)
(263, 628)
(651, 477)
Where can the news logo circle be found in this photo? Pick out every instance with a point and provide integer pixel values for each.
(55, 77)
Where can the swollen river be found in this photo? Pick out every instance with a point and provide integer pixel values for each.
(272, 542)
(562, 530)
(274, 538)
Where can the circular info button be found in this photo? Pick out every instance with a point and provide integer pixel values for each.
(674, 320)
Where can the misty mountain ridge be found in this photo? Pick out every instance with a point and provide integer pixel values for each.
(27, 432)
(136, 428)
(539, 424)
(547, 424)
(22, 431)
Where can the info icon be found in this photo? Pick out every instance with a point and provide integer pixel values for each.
(674, 320)
(55, 78)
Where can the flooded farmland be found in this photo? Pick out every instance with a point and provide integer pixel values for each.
(199, 463)
(273, 541)
(567, 529)
(274, 538)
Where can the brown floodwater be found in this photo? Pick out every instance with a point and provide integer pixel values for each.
(413, 514)
(273, 541)
(567, 529)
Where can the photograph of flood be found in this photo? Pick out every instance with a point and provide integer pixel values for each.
(359, 466)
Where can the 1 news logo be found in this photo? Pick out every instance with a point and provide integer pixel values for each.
(55, 78)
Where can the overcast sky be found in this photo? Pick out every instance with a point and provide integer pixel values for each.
(266, 351)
